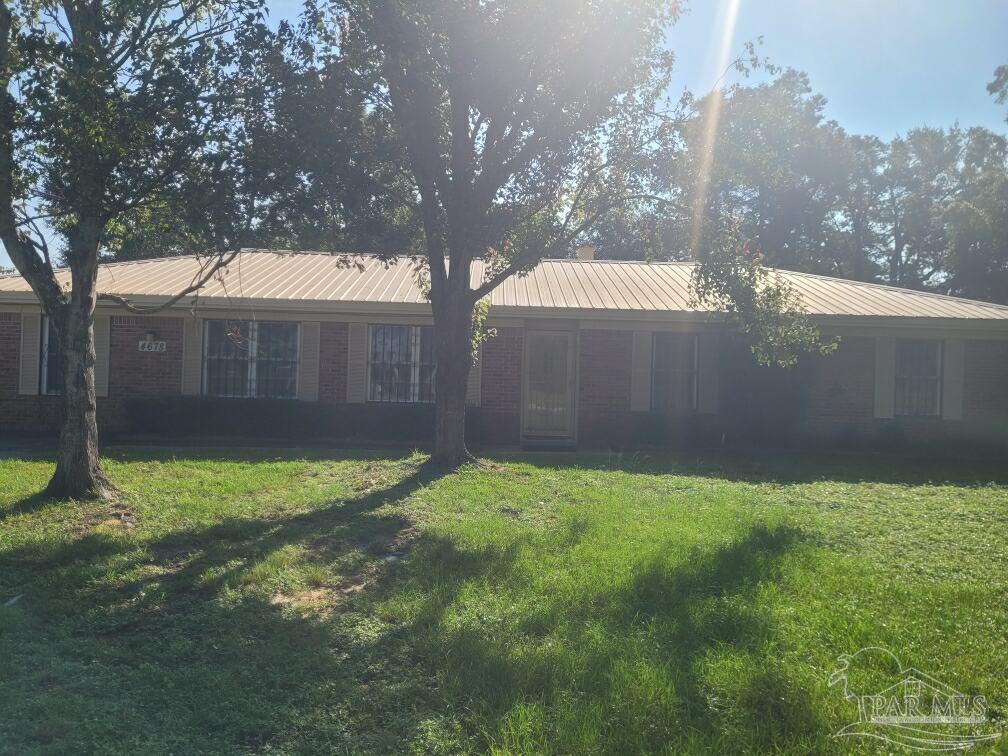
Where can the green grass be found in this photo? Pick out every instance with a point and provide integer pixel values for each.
(291, 601)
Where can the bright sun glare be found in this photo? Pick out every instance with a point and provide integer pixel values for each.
(725, 29)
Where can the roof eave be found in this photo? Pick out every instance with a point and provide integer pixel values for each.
(423, 309)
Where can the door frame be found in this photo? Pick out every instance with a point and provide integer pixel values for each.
(573, 384)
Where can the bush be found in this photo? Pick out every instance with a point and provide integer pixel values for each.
(287, 419)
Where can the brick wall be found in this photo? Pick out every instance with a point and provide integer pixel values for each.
(134, 374)
(10, 352)
(603, 401)
(333, 362)
(28, 413)
(985, 381)
(841, 395)
(500, 411)
(985, 390)
(840, 403)
(828, 398)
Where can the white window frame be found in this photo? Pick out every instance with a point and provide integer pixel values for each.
(695, 404)
(44, 387)
(415, 347)
(253, 326)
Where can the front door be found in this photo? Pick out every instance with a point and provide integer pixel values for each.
(549, 385)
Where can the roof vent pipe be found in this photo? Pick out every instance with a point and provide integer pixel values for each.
(586, 252)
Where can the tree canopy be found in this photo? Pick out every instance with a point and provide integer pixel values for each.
(110, 112)
(924, 210)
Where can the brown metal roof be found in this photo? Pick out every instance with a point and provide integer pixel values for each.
(575, 285)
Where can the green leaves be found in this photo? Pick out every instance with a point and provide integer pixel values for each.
(120, 105)
(732, 278)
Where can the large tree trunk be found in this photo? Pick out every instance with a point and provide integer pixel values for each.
(453, 339)
(78, 469)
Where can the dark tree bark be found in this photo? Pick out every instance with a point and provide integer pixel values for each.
(78, 472)
(453, 321)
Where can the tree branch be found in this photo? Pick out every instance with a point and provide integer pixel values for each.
(202, 277)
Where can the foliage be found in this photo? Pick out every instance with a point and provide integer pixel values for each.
(998, 86)
(263, 419)
(108, 109)
(780, 170)
(480, 332)
(919, 211)
(119, 111)
(522, 124)
(732, 278)
(309, 601)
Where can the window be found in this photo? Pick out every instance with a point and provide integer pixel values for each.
(918, 377)
(250, 359)
(401, 364)
(51, 356)
(674, 371)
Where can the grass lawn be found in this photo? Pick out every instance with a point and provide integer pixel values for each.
(278, 601)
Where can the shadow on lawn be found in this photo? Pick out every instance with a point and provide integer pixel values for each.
(224, 669)
(35, 502)
(633, 658)
(782, 466)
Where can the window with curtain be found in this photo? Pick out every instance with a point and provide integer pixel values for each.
(918, 377)
(401, 365)
(250, 359)
(674, 371)
(51, 360)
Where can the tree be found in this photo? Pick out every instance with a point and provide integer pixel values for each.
(920, 180)
(941, 218)
(327, 168)
(998, 86)
(731, 276)
(771, 162)
(976, 221)
(108, 109)
(522, 125)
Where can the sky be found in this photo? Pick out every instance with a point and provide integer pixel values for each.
(885, 66)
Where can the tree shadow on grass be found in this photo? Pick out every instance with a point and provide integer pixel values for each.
(185, 654)
(781, 466)
(639, 659)
(181, 653)
(31, 504)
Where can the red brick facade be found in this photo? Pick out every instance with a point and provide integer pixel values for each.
(500, 410)
(333, 362)
(829, 398)
(840, 404)
(134, 374)
(19, 412)
(841, 393)
(985, 389)
(10, 346)
(603, 401)
(985, 381)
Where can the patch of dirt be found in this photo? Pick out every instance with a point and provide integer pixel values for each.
(314, 597)
(324, 598)
(115, 518)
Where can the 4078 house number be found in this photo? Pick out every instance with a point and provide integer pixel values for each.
(152, 346)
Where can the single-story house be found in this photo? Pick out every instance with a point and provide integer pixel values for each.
(587, 352)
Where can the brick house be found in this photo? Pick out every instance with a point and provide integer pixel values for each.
(587, 353)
